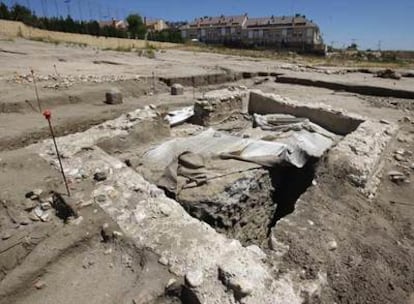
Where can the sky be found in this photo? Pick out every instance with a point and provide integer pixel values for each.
(369, 23)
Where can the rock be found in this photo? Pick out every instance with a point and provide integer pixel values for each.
(37, 192)
(163, 261)
(412, 166)
(45, 206)
(194, 278)
(256, 250)
(83, 204)
(38, 212)
(127, 261)
(395, 173)
(24, 221)
(389, 74)
(100, 198)
(396, 176)
(40, 284)
(44, 216)
(170, 283)
(399, 157)
(114, 96)
(165, 210)
(177, 89)
(87, 264)
(105, 232)
(332, 245)
(117, 234)
(240, 285)
(76, 221)
(99, 176)
(6, 235)
(34, 195)
(29, 205)
(402, 139)
(386, 122)
(33, 216)
(261, 81)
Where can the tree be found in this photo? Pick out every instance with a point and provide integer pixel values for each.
(21, 13)
(135, 26)
(352, 47)
(4, 11)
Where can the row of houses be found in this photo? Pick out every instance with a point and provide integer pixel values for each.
(281, 32)
(289, 32)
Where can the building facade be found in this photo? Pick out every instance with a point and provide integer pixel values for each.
(155, 25)
(118, 24)
(297, 32)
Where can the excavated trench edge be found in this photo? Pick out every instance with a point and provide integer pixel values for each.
(212, 79)
(353, 88)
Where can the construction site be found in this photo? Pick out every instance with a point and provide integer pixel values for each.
(197, 178)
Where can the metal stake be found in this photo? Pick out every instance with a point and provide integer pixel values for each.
(37, 93)
(47, 114)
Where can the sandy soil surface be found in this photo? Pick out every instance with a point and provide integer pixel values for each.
(57, 262)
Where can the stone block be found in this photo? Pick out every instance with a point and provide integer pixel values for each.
(113, 96)
(177, 89)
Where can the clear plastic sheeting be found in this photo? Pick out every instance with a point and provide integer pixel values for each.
(211, 143)
(298, 133)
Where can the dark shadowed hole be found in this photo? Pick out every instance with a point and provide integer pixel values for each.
(290, 183)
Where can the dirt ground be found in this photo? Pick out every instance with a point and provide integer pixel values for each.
(57, 262)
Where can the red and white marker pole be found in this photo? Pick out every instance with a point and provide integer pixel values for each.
(48, 115)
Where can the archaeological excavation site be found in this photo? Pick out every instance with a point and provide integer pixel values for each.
(202, 178)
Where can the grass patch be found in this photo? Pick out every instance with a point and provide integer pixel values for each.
(387, 60)
(7, 39)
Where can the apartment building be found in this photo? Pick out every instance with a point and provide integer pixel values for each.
(215, 29)
(295, 32)
(155, 25)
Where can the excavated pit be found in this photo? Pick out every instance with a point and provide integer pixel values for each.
(241, 198)
(247, 206)
(206, 171)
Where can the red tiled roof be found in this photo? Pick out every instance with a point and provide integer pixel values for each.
(219, 21)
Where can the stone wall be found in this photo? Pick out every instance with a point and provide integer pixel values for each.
(216, 106)
(328, 118)
(359, 157)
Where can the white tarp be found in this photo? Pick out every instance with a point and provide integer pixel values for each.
(211, 143)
